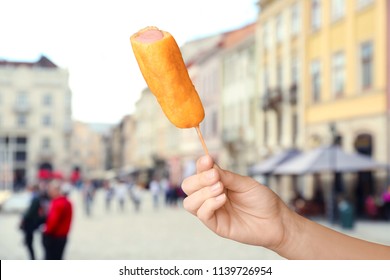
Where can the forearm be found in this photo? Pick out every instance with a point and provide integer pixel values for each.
(306, 239)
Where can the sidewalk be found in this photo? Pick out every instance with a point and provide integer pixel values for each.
(14, 202)
(4, 195)
(164, 233)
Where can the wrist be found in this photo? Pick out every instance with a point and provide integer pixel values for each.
(293, 230)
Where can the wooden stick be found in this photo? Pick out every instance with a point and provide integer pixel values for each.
(202, 140)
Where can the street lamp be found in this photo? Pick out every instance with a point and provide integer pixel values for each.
(337, 187)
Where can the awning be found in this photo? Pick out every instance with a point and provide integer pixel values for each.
(327, 159)
(128, 170)
(268, 166)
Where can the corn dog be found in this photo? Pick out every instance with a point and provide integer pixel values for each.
(166, 75)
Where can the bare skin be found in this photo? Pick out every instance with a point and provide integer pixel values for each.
(239, 208)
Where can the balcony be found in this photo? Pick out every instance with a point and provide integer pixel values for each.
(22, 108)
(272, 99)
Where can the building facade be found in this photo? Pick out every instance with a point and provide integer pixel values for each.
(203, 62)
(238, 106)
(346, 85)
(280, 50)
(156, 144)
(280, 45)
(35, 119)
(88, 151)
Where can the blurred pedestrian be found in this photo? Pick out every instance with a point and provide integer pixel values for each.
(135, 190)
(75, 177)
(66, 187)
(155, 190)
(386, 203)
(33, 217)
(120, 193)
(109, 194)
(57, 226)
(88, 192)
(165, 189)
(371, 208)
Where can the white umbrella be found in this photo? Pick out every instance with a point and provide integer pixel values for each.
(327, 159)
(268, 165)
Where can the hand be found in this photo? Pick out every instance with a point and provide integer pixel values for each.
(234, 206)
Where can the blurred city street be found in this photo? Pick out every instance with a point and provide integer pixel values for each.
(163, 233)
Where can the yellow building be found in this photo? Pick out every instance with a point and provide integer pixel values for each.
(345, 84)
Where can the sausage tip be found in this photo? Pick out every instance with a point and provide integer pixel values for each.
(149, 35)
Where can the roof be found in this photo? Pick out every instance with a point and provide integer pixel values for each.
(201, 49)
(235, 37)
(193, 50)
(42, 62)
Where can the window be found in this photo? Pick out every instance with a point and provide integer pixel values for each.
(363, 3)
(279, 120)
(265, 80)
(266, 37)
(315, 74)
(295, 23)
(338, 9)
(46, 120)
(315, 14)
(22, 99)
(46, 143)
(20, 156)
(294, 71)
(279, 75)
(294, 133)
(366, 64)
(47, 99)
(229, 70)
(21, 141)
(279, 28)
(21, 120)
(338, 74)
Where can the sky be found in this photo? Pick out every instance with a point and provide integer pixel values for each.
(91, 40)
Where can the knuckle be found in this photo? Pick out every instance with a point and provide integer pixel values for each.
(187, 204)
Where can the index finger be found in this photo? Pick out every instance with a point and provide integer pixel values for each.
(198, 181)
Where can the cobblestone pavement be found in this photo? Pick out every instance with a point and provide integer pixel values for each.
(163, 233)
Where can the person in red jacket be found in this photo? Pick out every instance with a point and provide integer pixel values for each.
(58, 222)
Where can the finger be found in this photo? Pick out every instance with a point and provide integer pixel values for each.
(206, 213)
(199, 181)
(204, 163)
(193, 202)
(236, 182)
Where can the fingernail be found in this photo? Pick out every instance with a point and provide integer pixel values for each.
(215, 187)
(205, 160)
